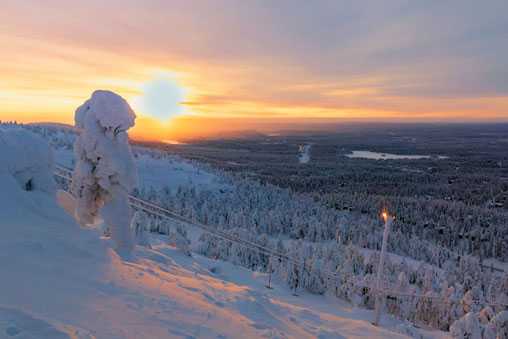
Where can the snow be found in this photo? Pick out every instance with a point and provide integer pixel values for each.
(103, 142)
(105, 173)
(63, 281)
(389, 156)
(163, 293)
(169, 171)
(496, 264)
(398, 259)
(27, 159)
(304, 156)
(20, 324)
(108, 108)
(173, 172)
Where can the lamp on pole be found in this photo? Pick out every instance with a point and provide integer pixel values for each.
(388, 219)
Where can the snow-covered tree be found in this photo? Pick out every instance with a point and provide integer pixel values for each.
(499, 325)
(405, 305)
(105, 172)
(139, 229)
(467, 327)
(481, 325)
(178, 238)
(27, 158)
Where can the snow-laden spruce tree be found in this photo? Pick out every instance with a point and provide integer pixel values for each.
(138, 227)
(467, 327)
(105, 172)
(481, 325)
(178, 238)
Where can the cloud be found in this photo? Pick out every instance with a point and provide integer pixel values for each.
(389, 55)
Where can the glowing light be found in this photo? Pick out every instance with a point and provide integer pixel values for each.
(172, 142)
(385, 215)
(161, 99)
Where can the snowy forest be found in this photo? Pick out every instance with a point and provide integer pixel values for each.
(444, 262)
(226, 169)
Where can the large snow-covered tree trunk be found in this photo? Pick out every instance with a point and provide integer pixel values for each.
(116, 214)
(105, 172)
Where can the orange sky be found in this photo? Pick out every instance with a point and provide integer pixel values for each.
(239, 74)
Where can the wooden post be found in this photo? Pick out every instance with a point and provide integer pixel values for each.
(379, 295)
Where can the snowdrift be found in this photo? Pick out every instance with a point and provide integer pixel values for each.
(26, 159)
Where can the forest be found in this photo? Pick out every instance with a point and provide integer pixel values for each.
(438, 246)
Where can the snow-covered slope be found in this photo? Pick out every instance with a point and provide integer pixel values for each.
(59, 277)
(61, 281)
(154, 172)
(173, 172)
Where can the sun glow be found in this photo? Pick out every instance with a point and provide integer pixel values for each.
(52, 59)
(162, 98)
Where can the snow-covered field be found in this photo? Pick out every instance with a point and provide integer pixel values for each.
(388, 156)
(62, 281)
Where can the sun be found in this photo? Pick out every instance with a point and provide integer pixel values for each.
(162, 98)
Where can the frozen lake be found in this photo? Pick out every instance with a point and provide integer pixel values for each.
(389, 156)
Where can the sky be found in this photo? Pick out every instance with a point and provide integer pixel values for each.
(191, 68)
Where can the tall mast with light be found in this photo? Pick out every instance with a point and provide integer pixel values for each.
(388, 219)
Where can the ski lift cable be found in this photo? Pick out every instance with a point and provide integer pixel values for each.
(161, 212)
